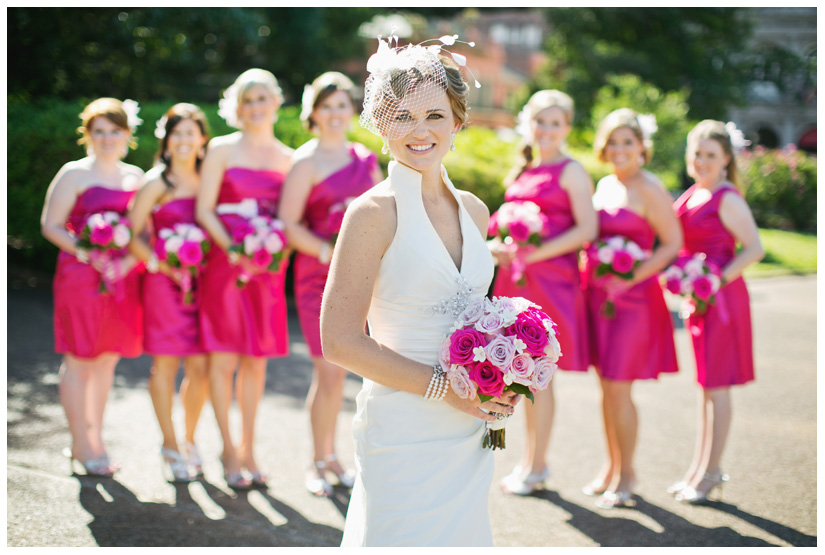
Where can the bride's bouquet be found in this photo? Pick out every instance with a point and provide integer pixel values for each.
(262, 241)
(106, 236)
(184, 246)
(519, 225)
(617, 256)
(498, 345)
(696, 280)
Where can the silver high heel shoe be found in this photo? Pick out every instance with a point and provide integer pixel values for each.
(676, 487)
(316, 481)
(176, 466)
(345, 479)
(693, 496)
(518, 483)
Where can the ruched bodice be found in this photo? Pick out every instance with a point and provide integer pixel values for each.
(177, 211)
(703, 229)
(628, 224)
(97, 198)
(423, 476)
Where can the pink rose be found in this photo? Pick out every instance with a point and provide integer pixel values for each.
(121, 236)
(190, 254)
(274, 243)
(543, 373)
(522, 369)
(531, 331)
(488, 378)
(101, 235)
(261, 258)
(473, 312)
(553, 348)
(674, 285)
(500, 351)
(519, 231)
(252, 244)
(461, 383)
(622, 262)
(240, 231)
(462, 343)
(490, 323)
(444, 355)
(702, 288)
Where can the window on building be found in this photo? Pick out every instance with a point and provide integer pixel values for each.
(767, 137)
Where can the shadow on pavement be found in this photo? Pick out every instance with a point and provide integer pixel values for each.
(615, 531)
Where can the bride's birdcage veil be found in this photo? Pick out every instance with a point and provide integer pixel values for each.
(405, 80)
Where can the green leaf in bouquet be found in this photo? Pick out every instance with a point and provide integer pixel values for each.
(522, 389)
(484, 398)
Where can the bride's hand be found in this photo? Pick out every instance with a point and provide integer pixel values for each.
(474, 406)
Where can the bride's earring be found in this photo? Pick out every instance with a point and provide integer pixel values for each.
(386, 148)
(452, 142)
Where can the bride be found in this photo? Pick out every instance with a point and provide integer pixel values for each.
(411, 255)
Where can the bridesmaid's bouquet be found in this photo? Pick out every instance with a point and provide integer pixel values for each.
(696, 280)
(336, 217)
(184, 247)
(262, 241)
(106, 236)
(519, 225)
(617, 256)
(498, 345)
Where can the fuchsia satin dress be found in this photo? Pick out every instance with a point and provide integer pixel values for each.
(636, 344)
(250, 321)
(170, 326)
(310, 275)
(88, 323)
(722, 337)
(553, 283)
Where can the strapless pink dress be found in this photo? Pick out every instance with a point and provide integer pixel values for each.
(722, 337)
(170, 326)
(251, 321)
(638, 343)
(310, 275)
(88, 323)
(553, 283)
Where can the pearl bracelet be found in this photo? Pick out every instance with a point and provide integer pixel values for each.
(437, 388)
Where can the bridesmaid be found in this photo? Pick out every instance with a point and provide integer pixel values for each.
(561, 187)
(240, 328)
(715, 217)
(327, 172)
(93, 330)
(637, 343)
(171, 329)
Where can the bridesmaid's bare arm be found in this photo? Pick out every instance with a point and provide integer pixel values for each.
(659, 212)
(297, 187)
(212, 170)
(737, 218)
(61, 197)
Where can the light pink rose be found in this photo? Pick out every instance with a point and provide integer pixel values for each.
(121, 236)
(522, 369)
(500, 351)
(173, 244)
(461, 383)
(605, 255)
(444, 354)
(274, 243)
(111, 217)
(165, 233)
(545, 368)
(694, 267)
(553, 348)
(252, 244)
(490, 323)
(194, 233)
(472, 313)
(190, 254)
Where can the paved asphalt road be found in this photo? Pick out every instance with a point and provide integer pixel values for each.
(771, 499)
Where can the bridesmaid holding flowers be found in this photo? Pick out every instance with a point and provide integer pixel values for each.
(171, 329)
(560, 190)
(715, 217)
(328, 172)
(98, 315)
(634, 339)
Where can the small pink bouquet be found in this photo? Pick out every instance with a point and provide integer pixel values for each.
(106, 236)
(336, 217)
(617, 256)
(506, 343)
(184, 246)
(519, 224)
(262, 241)
(696, 280)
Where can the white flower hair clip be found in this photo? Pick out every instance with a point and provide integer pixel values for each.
(737, 138)
(131, 108)
(160, 128)
(228, 106)
(307, 100)
(647, 123)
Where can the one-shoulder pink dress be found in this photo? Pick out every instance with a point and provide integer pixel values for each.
(722, 337)
(636, 344)
(310, 274)
(170, 326)
(88, 323)
(252, 320)
(553, 283)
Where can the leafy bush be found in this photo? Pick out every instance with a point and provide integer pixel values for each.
(780, 187)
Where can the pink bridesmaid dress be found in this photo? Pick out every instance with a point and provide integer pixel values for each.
(553, 283)
(722, 337)
(170, 326)
(88, 323)
(252, 320)
(310, 275)
(636, 344)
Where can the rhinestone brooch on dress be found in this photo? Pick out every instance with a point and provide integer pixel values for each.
(455, 304)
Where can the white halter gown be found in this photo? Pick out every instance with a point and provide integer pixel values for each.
(423, 476)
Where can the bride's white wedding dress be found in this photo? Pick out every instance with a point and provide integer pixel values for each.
(423, 476)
